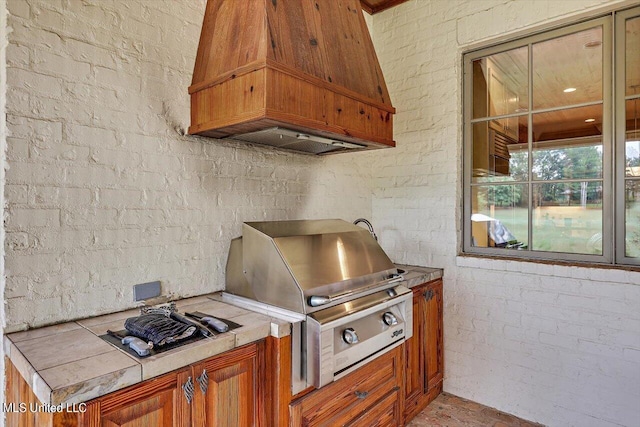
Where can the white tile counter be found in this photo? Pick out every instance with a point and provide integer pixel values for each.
(416, 275)
(69, 363)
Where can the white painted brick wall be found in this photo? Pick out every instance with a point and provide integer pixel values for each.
(4, 290)
(103, 191)
(553, 344)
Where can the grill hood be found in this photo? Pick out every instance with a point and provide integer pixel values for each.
(286, 263)
(297, 75)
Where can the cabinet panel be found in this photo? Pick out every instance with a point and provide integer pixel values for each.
(433, 335)
(414, 358)
(424, 351)
(385, 412)
(229, 389)
(159, 402)
(344, 401)
(155, 411)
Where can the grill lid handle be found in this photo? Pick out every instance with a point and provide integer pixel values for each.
(318, 300)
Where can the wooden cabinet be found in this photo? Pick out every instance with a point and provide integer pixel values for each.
(158, 402)
(494, 95)
(502, 100)
(369, 396)
(226, 390)
(230, 390)
(424, 366)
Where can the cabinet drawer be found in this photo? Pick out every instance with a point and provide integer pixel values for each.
(345, 400)
(383, 413)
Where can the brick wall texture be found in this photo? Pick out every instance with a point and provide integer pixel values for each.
(553, 344)
(104, 191)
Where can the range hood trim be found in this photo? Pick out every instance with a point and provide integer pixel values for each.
(273, 65)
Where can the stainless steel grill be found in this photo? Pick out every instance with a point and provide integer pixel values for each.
(332, 280)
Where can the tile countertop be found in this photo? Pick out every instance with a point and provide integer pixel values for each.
(68, 363)
(416, 275)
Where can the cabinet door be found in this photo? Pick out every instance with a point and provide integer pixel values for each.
(433, 334)
(424, 351)
(230, 389)
(159, 402)
(414, 350)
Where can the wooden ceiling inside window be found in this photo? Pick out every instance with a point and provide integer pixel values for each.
(375, 6)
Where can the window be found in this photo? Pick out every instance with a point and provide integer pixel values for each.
(552, 144)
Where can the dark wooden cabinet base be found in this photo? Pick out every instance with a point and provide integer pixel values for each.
(424, 352)
(230, 393)
(369, 396)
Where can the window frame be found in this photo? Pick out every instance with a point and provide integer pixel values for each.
(608, 208)
(620, 120)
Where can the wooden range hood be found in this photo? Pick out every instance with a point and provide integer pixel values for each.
(305, 67)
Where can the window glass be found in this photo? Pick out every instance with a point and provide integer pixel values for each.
(632, 138)
(500, 216)
(570, 123)
(632, 144)
(499, 153)
(632, 218)
(568, 70)
(632, 57)
(567, 217)
(500, 84)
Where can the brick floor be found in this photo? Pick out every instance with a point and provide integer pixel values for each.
(452, 411)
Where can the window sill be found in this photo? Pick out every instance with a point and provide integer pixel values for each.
(536, 266)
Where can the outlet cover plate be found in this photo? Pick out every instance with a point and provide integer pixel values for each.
(145, 291)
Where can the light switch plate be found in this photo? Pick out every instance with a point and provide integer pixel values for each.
(145, 291)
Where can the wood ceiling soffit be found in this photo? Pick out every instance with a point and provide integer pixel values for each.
(374, 6)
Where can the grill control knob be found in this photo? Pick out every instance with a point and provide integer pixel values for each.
(349, 336)
(389, 319)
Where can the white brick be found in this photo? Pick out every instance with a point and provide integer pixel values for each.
(33, 129)
(90, 136)
(18, 56)
(27, 34)
(22, 265)
(116, 78)
(17, 149)
(18, 102)
(16, 194)
(19, 8)
(56, 196)
(35, 173)
(59, 152)
(26, 218)
(115, 198)
(60, 66)
(30, 81)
